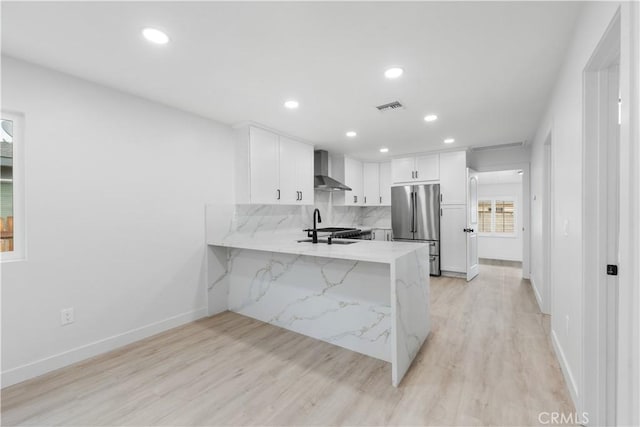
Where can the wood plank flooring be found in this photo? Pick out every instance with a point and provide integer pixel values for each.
(488, 361)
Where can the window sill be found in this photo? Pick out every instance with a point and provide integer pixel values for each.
(501, 236)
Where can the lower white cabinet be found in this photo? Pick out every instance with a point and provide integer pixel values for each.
(453, 240)
(381, 234)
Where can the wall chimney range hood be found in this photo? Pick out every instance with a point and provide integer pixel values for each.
(321, 171)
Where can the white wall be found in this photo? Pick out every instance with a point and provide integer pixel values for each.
(115, 193)
(564, 120)
(505, 248)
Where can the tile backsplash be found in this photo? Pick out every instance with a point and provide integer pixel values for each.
(265, 218)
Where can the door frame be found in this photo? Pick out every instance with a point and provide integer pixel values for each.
(526, 208)
(599, 348)
(546, 301)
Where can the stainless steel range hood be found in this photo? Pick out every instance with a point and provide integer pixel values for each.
(321, 171)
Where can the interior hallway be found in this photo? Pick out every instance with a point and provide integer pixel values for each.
(488, 361)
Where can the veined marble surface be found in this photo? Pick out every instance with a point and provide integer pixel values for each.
(343, 302)
(410, 306)
(286, 242)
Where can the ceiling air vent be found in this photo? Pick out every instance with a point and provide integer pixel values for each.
(395, 105)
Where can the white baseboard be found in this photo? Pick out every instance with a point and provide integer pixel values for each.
(60, 360)
(453, 274)
(568, 376)
(537, 294)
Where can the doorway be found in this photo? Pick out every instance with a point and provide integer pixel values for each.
(501, 218)
(601, 213)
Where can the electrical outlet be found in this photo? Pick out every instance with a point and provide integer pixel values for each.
(566, 327)
(66, 316)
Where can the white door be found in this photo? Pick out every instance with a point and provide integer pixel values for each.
(385, 184)
(473, 267)
(289, 192)
(428, 168)
(453, 178)
(403, 170)
(353, 179)
(453, 238)
(371, 183)
(304, 173)
(264, 167)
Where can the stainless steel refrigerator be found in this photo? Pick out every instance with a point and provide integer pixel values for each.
(415, 216)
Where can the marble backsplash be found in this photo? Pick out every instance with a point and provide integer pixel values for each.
(267, 218)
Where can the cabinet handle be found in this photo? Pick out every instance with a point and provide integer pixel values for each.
(365, 200)
(413, 174)
(380, 199)
(356, 199)
(440, 211)
(441, 197)
(374, 235)
(278, 190)
(416, 174)
(301, 195)
(297, 195)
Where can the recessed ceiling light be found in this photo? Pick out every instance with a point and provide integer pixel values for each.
(291, 104)
(449, 141)
(155, 36)
(393, 73)
(351, 134)
(430, 118)
(384, 150)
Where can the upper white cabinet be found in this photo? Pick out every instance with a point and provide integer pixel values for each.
(428, 167)
(415, 169)
(350, 172)
(385, 184)
(296, 172)
(453, 178)
(272, 169)
(377, 184)
(371, 175)
(263, 168)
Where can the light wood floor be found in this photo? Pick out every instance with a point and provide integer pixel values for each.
(488, 361)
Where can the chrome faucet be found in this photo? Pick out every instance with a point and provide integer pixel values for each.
(314, 236)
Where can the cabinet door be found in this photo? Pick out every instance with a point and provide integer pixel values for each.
(289, 191)
(264, 166)
(402, 170)
(371, 184)
(377, 234)
(453, 178)
(428, 168)
(304, 174)
(385, 184)
(353, 179)
(453, 240)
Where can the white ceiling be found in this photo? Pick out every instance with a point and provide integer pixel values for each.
(486, 69)
(499, 177)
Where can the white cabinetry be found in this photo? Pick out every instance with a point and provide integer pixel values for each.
(348, 171)
(263, 166)
(415, 169)
(453, 240)
(381, 234)
(377, 184)
(385, 184)
(272, 169)
(371, 178)
(453, 178)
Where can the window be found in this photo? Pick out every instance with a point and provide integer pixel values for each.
(497, 216)
(11, 220)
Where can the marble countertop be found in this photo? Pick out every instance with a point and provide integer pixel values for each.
(286, 242)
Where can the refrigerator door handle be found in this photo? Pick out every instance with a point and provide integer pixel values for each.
(413, 212)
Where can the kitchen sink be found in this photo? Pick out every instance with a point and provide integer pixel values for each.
(333, 241)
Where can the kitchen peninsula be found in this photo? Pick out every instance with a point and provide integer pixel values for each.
(371, 297)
